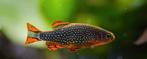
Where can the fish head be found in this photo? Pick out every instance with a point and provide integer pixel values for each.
(105, 37)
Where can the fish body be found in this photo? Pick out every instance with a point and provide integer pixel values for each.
(70, 35)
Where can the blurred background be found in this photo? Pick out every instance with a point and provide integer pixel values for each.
(127, 19)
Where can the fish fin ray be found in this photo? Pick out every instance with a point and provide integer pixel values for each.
(52, 46)
(32, 32)
(32, 28)
(31, 40)
(73, 48)
(59, 24)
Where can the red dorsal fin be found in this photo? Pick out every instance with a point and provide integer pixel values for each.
(58, 23)
(32, 28)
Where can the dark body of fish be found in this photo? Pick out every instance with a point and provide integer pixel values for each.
(75, 36)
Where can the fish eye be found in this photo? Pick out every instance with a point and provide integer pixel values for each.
(108, 36)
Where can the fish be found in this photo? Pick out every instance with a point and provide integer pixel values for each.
(142, 39)
(72, 36)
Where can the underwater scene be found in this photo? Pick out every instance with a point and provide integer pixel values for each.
(73, 29)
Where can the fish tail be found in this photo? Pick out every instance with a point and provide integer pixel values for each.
(32, 34)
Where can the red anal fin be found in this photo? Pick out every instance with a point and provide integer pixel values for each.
(31, 40)
(53, 46)
(58, 23)
(32, 28)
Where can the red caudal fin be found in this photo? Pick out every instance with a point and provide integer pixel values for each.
(32, 33)
(32, 28)
(31, 40)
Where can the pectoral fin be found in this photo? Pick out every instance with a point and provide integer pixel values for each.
(73, 49)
